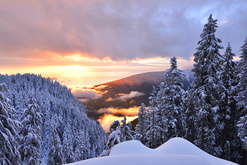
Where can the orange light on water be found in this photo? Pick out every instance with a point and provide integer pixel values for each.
(106, 120)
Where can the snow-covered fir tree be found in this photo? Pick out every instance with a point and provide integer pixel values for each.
(153, 134)
(142, 125)
(172, 107)
(207, 89)
(242, 95)
(119, 133)
(114, 137)
(68, 149)
(55, 155)
(114, 125)
(30, 133)
(158, 113)
(229, 114)
(9, 153)
(126, 132)
(80, 146)
(229, 67)
(190, 115)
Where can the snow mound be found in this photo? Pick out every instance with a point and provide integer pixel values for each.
(180, 146)
(130, 147)
(176, 151)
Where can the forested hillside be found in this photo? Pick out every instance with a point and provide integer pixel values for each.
(67, 134)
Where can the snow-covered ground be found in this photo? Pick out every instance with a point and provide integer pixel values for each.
(176, 151)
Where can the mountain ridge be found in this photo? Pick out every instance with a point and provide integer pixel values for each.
(135, 89)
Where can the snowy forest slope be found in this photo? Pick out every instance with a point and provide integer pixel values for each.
(63, 117)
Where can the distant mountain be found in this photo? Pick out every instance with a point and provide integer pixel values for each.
(65, 122)
(127, 92)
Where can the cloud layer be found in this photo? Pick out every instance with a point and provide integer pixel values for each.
(125, 29)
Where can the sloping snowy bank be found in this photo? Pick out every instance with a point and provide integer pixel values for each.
(176, 151)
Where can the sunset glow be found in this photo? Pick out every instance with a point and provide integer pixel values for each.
(85, 43)
(133, 111)
(106, 120)
(76, 70)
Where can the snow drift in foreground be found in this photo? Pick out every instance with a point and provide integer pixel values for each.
(176, 151)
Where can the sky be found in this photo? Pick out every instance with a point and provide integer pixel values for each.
(90, 42)
(82, 43)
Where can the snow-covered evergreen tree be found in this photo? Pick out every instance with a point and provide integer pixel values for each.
(141, 127)
(68, 149)
(190, 116)
(229, 67)
(30, 134)
(119, 133)
(208, 89)
(113, 139)
(80, 146)
(9, 153)
(242, 95)
(172, 107)
(158, 113)
(114, 125)
(55, 155)
(229, 114)
(153, 136)
(126, 132)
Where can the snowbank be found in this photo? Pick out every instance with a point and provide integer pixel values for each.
(176, 151)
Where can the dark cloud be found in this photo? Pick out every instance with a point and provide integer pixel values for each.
(118, 29)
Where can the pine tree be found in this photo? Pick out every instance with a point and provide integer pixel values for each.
(142, 123)
(153, 134)
(67, 147)
(229, 115)
(207, 89)
(158, 116)
(190, 116)
(9, 153)
(126, 132)
(242, 95)
(113, 139)
(172, 108)
(55, 155)
(30, 134)
(80, 146)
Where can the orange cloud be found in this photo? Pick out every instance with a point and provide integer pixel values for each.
(131, 95)
(86, 92)
(106, 120)
(133, 111)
